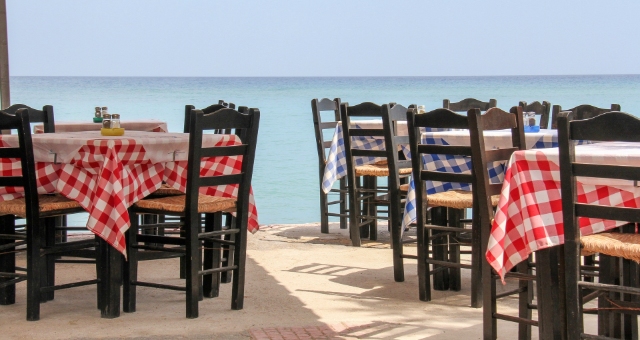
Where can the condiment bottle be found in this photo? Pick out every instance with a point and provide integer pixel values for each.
(105, 111)
(106, 120)
(98, 112)
(115, 121)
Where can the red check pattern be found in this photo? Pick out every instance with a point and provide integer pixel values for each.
(106, 176)
(529, 213)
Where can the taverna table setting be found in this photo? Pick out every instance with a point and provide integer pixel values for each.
(107, 175)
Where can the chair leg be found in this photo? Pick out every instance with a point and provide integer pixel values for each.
(183, 265)
(343, 203)
(7, 260)
(192, 266)
(33, 271)
(489, 323)
(525, 298)
(365, 207)
(477, 259)
(373, 209)
(454, 250)
(395, 222)
(212, 258)
(239, 260)
(227, 251)
(130, 271)
(324, 210)
(438, 249)
(424, 272)
(49, 261)
(354, 212)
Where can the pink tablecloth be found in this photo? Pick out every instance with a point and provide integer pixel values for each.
(529, 213)
(106, 175)
(150, 125)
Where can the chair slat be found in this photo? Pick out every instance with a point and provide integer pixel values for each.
(499, 154)
(368, 153)
(10, 153)
(441, 176)
(366, 132)
(444, 149)
(220, 180)
(218, 151)
(11, 181)
(606, 171)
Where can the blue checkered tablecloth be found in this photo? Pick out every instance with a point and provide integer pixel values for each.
(448, 163)
(336, 166)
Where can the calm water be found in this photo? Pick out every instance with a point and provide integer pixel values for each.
(286, 181)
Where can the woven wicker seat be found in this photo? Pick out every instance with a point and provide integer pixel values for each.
(457, 199)
(613, 244)
(48, 203)
(379, 170)
(176, 204)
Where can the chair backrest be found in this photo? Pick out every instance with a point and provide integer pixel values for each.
(20, 122)
(44, 116)
(468, 104)
(438, 119)
(584, 111)
(246, 127)
(320, 125)
(362, 110)
(540, 109)
(392, 115)
(478, 176)
(493, 119)
(607, 127)
(211, 108)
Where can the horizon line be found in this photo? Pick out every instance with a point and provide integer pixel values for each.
(343, 76)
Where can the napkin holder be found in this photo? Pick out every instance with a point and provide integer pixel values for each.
(112, 132)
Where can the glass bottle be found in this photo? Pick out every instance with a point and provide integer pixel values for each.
(115, 121)
(105, 111)
(106, 121)
(98, 113)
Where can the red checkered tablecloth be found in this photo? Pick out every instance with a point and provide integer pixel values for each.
(529, 213)
(106, 175)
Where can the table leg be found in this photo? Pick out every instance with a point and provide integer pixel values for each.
(551, 293)
(111, 276)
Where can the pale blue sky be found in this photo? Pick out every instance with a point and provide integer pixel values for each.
(322, 38)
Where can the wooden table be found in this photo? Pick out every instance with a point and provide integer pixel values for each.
(106, 175)
(529, 215)
(149, 125)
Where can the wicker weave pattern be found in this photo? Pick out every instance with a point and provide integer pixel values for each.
(614, 244)
(456, 199)
(48, 203)
(379, 170)
(176, 204)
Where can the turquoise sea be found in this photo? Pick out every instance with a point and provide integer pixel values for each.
(286, 179)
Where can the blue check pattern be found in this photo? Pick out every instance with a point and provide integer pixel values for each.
(336, 166)
(448, 163)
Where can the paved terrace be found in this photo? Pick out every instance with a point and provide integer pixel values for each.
(301, 284)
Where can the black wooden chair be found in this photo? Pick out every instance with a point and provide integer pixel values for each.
(540, 109)
(190, 207)
(366, 196)
(486, 193)
(618, 251)
(392, 115)
(468, 104)
(580, 112)
(435, 235)
(39, 211)
(322, 143)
